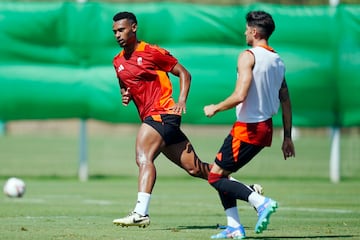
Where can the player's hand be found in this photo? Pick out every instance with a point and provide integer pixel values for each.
(179, 108)
(288, 148)
(126, 96)
(210, 110)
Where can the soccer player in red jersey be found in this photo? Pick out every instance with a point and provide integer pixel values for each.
(260, 90)
(142, 70)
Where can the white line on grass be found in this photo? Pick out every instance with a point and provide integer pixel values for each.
(317, 210)
(299, 209)
(98, 202)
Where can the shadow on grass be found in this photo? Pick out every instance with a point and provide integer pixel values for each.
(179, 228)
(306, 237)
(193, 227)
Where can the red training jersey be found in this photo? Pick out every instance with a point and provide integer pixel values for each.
(145, 74)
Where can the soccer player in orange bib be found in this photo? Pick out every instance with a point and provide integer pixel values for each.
(259, 91)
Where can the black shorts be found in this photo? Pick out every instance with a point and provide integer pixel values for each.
(168, 126)
(235, 153)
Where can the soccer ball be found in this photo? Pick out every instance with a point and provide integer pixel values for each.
(14, 187)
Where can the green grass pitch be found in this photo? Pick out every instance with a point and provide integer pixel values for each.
(58, 206)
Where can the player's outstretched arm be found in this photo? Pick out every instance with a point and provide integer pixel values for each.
(245, 65)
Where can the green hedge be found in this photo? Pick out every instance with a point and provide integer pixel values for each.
(56, 58)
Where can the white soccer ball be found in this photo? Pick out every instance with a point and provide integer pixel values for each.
(14, 187)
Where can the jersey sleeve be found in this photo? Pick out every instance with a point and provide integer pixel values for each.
(162, 58)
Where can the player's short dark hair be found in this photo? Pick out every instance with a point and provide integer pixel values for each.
(263, 21)
(125, 15)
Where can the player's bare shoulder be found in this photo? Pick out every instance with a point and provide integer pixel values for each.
(246, 59)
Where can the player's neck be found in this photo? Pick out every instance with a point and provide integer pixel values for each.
(264, 44)
(261, 43)
(130, 49)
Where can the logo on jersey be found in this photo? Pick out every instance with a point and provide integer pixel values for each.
(120, 68)
(139, 61)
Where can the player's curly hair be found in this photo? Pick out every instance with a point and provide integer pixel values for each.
(263, 21)
(125, 15)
